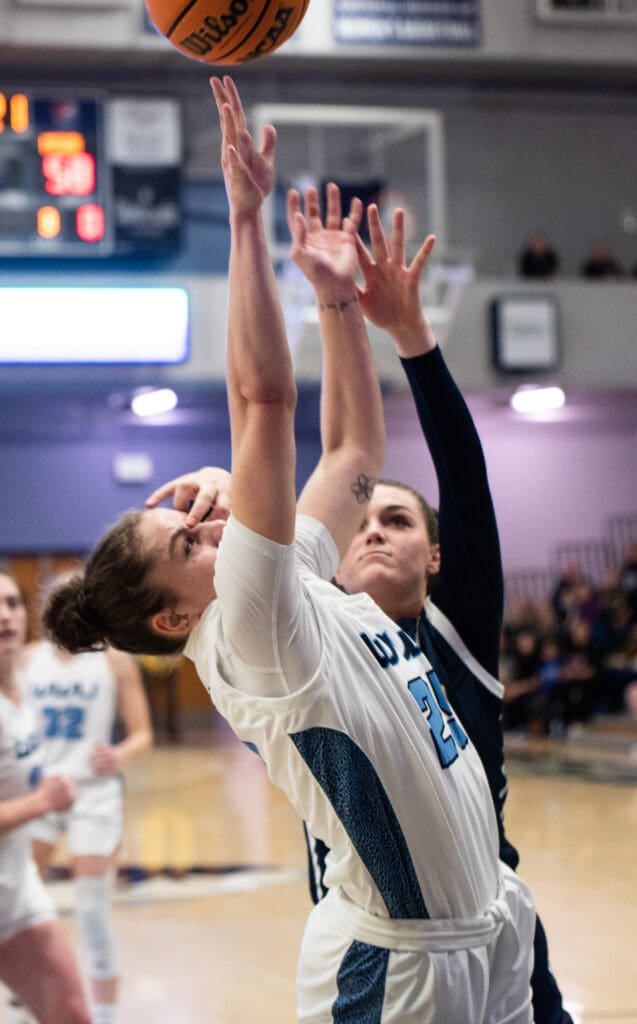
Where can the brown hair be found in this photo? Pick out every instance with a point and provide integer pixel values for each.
(6, 570)
(112, 602)
(429, 514)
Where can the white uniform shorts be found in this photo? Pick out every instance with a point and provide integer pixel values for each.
(25, 902)
(355, 967)
(93, 824)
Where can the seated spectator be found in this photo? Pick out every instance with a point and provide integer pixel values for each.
(571, 655)
(601, 263)
(620, 675)
(578, 689)
(628, 577)
(545, 709)
(538, 258)
(519, 675)
(565, 592)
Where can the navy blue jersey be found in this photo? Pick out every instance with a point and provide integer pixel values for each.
(469, 588)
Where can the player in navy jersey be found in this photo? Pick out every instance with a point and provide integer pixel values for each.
(403, 546)
(422, 921)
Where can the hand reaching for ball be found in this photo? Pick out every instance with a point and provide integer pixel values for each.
(248, 172)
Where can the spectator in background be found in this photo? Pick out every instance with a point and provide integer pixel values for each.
(567, 591)
(538, 258)
(578, 687)
(549, 674)
(620, 674)
(572, 655)
(628, 577)
(519, 675)
(601, 263)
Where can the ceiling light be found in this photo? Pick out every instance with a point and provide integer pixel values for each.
(151, 403)
(534, 399)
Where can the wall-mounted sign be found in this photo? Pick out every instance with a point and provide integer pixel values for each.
(525, 333)
(407, 22)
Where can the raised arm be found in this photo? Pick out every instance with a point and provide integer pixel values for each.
(352, 422)
(469, 586)
(261, 388)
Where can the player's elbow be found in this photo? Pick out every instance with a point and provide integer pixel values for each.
(273, 395)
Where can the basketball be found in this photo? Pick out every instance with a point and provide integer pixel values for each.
(226, 31)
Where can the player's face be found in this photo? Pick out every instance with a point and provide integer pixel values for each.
(184, 558)
(13, 617)
(391, 556)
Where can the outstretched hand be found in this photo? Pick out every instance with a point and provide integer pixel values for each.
(326, 253)
(390, 296)
(248, 171)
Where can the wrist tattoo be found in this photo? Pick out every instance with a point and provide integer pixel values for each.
(362, 487)
(339, 307)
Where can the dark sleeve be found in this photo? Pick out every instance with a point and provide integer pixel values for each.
(469, 588)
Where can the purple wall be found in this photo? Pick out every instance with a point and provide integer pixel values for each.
(552, 482)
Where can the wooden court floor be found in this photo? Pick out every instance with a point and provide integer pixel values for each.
(210, 932)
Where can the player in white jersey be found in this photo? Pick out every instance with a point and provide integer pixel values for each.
(36, 961)
(422, 922)
(78, 700)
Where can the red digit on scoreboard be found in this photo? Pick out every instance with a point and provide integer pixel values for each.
(89, 222)
(69, 174)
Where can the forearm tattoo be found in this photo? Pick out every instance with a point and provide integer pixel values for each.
(339, 307)
(362, 488)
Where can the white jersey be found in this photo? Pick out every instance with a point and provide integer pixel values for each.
(76, 705)
(20, 770)
(352, 724)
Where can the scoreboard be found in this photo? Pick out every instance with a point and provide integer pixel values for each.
(87, 176)
(55, 190)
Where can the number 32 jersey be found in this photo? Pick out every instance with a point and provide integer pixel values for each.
(353, 725)
(75, 698)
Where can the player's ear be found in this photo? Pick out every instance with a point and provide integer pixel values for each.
(433, 564)
(171, 623)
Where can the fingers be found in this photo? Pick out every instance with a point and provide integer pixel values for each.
(268, 142)
(234, 100)
(365, 258)
(397, 245)
(376, 234)
(312, 205)
(199, 494)
(161, 493)
(333, 207)
(292, 207)
(420, 259)
(353, 220)
(207, 506)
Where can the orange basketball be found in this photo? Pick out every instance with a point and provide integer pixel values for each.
(226, 31)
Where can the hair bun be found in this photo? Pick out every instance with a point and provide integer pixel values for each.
(71, 620)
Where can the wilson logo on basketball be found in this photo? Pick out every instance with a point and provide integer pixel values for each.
(214, 29)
